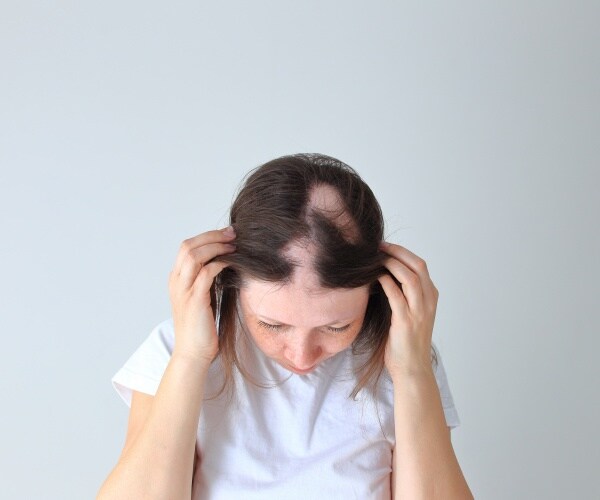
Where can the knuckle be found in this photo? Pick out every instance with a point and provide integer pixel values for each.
(393, 292)
(186, 245)
(413, 280)
(189, 259)
(421, 265)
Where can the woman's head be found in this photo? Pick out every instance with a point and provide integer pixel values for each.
(308, 232)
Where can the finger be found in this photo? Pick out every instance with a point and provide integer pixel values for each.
(198, 258)
(215, 236)
(395, 296)
(415, 263)
(411, 283)
(206, 276)
(205, 253)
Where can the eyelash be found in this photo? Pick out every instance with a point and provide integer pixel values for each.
(269, 326)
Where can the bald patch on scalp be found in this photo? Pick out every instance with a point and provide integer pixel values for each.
(325, 199)
(304, 275)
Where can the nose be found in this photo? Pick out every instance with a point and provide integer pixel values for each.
(303, 354)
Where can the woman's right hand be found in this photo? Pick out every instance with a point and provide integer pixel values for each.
(189, 290)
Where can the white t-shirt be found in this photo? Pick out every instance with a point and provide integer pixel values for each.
(304, 438)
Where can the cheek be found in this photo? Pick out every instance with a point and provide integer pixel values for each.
(268, 343)
(334, 344)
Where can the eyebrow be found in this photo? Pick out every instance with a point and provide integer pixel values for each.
(283, 324)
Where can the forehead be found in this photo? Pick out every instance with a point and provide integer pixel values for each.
(296, 303)
(302, 300)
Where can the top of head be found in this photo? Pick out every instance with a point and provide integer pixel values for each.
(306, 210)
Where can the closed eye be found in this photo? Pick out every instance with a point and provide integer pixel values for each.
(337, 330)
(269, 326)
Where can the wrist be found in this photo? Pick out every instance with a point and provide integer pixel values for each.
(410, 372)
(196, 360)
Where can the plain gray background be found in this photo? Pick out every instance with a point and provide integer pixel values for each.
(127, 126)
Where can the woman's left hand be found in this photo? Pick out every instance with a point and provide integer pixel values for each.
(408, 348)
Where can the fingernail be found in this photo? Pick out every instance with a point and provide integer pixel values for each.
(229, 231)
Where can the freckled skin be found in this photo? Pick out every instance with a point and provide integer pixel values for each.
(308, 310)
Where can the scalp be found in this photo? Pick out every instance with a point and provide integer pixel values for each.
(326, 200)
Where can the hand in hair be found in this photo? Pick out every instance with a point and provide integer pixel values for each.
(413, 304)
(189, 289)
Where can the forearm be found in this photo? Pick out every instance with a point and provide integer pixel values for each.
(159, 462)
(424, 463)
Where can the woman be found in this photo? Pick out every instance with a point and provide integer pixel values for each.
(298, 362)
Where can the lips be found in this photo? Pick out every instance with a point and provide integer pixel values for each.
(301, 372)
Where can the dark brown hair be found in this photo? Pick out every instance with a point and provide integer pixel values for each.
(271, 211)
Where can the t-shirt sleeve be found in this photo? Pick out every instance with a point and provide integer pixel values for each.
(144, 369)
(452, 419)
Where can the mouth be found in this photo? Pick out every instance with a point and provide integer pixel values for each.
(299, 371)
